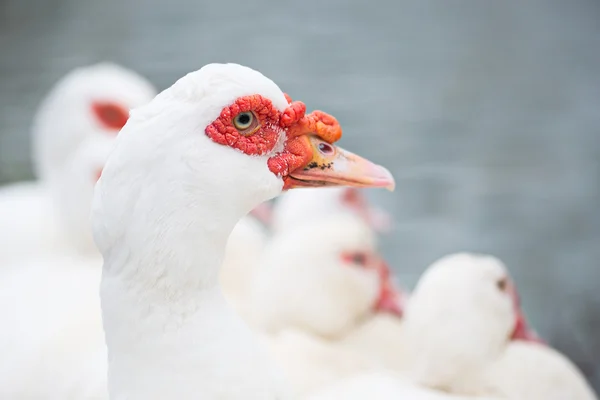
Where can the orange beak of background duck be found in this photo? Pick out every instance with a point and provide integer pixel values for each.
(333, 166)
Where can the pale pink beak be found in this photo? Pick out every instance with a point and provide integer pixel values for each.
(333, 166)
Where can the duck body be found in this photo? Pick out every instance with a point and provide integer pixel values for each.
(537, 372)
(311, 363)
(213, 345)
(383, 386)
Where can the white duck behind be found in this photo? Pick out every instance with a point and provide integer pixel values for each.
(162, 215)
(72, 133)
(316, 285)
(324, 277)
(461, 315)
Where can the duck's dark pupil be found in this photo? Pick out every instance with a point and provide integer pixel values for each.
(244, 119)
(359, 259)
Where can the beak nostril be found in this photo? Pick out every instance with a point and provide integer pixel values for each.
(326, 149)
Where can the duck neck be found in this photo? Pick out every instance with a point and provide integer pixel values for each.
(172, 249)
(165, 259)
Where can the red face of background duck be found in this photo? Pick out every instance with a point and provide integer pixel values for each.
(390, 299)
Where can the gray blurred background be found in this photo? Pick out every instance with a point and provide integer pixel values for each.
(487, 113)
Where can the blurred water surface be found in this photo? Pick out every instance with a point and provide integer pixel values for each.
(486, 112)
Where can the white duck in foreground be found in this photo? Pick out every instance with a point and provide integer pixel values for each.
(72, 134)
(187, 167)
(245, 246)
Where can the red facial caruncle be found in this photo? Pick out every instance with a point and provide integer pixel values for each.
(253, 125)
(110, 115)
(389, 299)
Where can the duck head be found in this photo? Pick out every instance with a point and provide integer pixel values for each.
(205, 152)
(73, 133)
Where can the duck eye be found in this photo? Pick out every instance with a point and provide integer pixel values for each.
(359, 259)
(356, 258)
(243, 121)
(502, 284)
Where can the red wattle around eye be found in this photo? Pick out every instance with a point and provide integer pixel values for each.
(111, 116)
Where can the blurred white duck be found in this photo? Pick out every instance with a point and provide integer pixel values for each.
(73, 132)
(325, 277)
(249, 237)
(461, 315)
(481, 342)
(163, 213)
(315, 285)
(303, 206)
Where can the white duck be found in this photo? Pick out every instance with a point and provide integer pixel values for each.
(316, 285)
(73, 132)
(461, 315)
(480, 340)
(185, 169)
(249, 237)
(325, 277)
